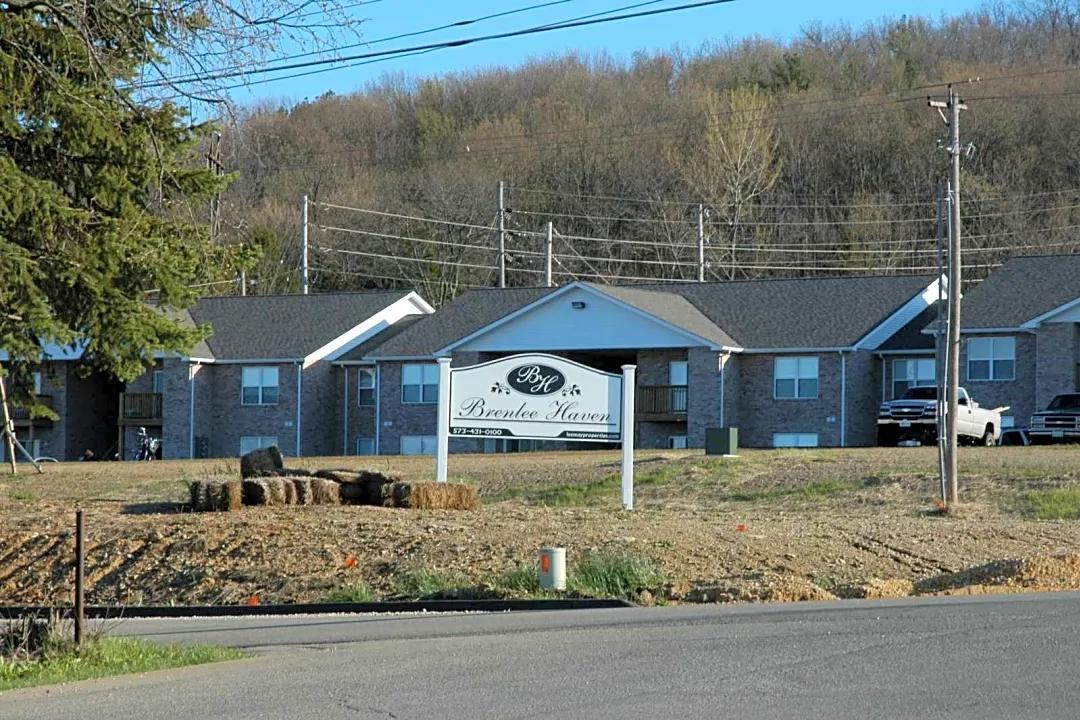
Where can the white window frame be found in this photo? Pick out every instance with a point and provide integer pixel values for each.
(246, 373)
(257, 442)
(361, 441)
(365, 381)
(919, 366)
(429, 376)
(157, 382)
(795, 440)
(992, 350)
(427, 443)
(677, 442)
(806, 368)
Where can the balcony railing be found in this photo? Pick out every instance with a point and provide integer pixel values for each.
(661, 400)
(140, 407)
(21, 416)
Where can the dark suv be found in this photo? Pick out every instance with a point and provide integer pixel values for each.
(1059, 422)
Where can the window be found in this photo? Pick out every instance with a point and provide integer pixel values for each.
(365, 446)
(418, 444)
(420, 384)
(159, 381)
(677, 372)
(1007, 421)
(912, 373)
(676, 442)
(794, 440)
(249, 443)
(37, 383)
(796, 378)
(991, 358)
(260, 386)
(365, 387)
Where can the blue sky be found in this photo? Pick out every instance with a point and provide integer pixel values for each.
(688, 28)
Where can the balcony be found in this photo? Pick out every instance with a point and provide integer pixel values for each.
(140, 409)
(661, 403)
(22, 418)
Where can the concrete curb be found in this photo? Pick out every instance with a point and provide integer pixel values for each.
(98, 612)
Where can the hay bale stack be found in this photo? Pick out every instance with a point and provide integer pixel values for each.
(261, 463)
(339, 476)
(200, 496)
(325, 492)
(295, 472)
(431, 496)
(255, 492)
(373, 484)
(216, 495)
(302, 487)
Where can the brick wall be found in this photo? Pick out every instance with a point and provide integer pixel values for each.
(654, 435)
(1018, 394)
(226, 420)
(761, 415)
(142, 384)
(400, 418)
(653, 365)
(703, 395)
(1058, 347)
(361, 418)
(53, 440)
(732, 384)
(863, 398)
(321, 410)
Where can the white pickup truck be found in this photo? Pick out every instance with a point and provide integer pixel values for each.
(914, 417)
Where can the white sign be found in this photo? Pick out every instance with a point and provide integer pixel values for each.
(536, 397)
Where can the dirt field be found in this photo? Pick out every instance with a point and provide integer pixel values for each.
(769, 525)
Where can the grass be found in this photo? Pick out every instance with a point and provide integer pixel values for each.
(106, 657)
(822, 488)
(588, 493)
(1057, 504)
(22, 495)
(613, 576)
(352, 594)
(416, 583)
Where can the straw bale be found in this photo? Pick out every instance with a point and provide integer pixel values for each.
(261, 462)
(433, 496)
(200, 496)
(234, 495)
(352, 493)
(275, 491)
(303, 490)
(216, 494)
(325, 492)
(289, 486)
(341, 476)
(255, 492)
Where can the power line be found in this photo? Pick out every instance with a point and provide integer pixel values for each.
(575, 22)
(431, 261)
(377, 276)
(489, 228)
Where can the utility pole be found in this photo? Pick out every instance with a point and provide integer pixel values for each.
(700, 243)
(213, 164)
(304, 248)
(939, 343)
(548, 254)
(502, 238)
(952, 382)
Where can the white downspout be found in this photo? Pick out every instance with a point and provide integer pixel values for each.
(191, 409)
(843, 399)
(378, 405)
(722, 364)
(345, 416)
(299, 403)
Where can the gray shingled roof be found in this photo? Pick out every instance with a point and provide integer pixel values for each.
(785, 313)
(1022, 289)
(801, 312)
(284, 326)
(671, 308)
(465, 315)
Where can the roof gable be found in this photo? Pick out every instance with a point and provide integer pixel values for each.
(284, 327)
(1022, 290)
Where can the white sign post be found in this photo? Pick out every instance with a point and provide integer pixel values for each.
(535, 396)
(443, 438)
(629, 371)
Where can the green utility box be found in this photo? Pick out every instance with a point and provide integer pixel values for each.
(721, 441)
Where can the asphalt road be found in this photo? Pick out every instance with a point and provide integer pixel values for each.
(990, 657)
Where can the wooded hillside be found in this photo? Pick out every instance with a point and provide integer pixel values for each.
(819, 156)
